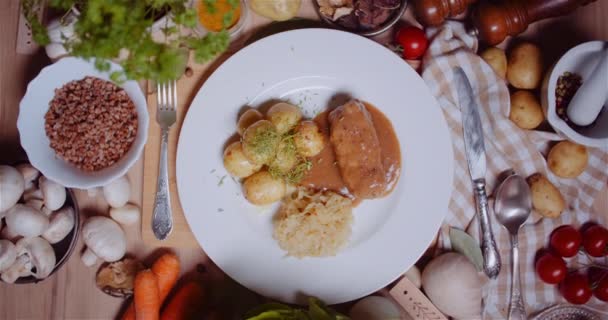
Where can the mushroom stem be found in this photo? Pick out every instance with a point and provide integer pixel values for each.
(17, 269)
(88, 257)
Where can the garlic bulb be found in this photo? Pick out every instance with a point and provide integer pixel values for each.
(454, 286)
(58, 31)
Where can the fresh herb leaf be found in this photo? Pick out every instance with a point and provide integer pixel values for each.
(467, 246)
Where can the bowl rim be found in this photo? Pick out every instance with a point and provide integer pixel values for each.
(85, 68)
(366, 33)
(556, 71)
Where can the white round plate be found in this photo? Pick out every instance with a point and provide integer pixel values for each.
(36, 144)
(315, 68)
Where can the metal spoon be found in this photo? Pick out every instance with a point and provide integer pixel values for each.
(512, 207)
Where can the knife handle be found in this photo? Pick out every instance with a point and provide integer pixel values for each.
(491, 259)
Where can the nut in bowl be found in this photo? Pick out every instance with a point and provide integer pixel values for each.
(79, 128)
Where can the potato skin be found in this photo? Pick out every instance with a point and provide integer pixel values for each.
(284, 116)
(546, 198)
(248, 118)
(309, 139)
(526, 111)
(262, 189)
(525, 66)
(236, 163)
(497, 59)
(567, 159)
(260, 142)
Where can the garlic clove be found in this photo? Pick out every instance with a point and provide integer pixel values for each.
(127, 215)
(54, 193)
(117, 192)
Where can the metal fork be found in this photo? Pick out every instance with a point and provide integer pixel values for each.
(166, 109)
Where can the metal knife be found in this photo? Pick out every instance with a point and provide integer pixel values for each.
(476, 159)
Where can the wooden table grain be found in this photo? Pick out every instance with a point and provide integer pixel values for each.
(71, 293)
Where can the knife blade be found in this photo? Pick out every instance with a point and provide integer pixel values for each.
(476, 161)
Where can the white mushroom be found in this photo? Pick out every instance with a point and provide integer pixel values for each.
(9, 234)
(26, 221)
(117, 192)
(33, 193)
(29, 173)
(127, 215)
(8, 254)
(54, 193)
(11, 187)
(35, 257)
(60, 225)
(35, 203)
(104, 239)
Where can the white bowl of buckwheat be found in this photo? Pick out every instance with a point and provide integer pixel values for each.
(78, 127)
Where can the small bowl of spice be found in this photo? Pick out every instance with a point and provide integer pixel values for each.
(79, 128)
(561, 84)
(218, 15)
(365, 17)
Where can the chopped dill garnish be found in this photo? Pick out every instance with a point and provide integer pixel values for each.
(221, 182)
(263, 141)
(298, 172)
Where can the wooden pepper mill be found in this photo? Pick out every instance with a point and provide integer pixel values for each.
(434, 12)
(493, 22)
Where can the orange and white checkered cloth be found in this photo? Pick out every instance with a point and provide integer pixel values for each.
(507, 146)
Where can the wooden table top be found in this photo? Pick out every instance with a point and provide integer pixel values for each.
(71, 292)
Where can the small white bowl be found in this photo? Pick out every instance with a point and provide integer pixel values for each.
(580, 60)
(36, 144)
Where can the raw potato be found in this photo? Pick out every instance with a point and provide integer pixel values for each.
(525, 66)
(309, 139)
(277, 10)
(237, 164)
(260, 142)
(262, 189)
(248, 118)
(568, 159)
(284, 116)
(546, 198)
(497, 59)
(526, 111)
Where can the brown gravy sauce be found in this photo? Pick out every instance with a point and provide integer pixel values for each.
(325, 173)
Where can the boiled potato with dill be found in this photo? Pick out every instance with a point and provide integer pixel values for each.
(567, 159)
(309, 139)
(260, 142)
(248, 118)
(262, 188)
(526, 111)
(284, 116)
(286, 158)
(236, 163)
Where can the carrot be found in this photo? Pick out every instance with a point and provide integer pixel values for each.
(166, 268)
(186, 304)
(147, 302)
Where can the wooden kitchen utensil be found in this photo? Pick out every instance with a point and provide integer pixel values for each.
(493, 22)
(434, 12)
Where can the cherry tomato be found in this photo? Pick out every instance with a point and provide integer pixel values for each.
(551, 269)
(565, 241)
(575, 289)
(413, 40)
(601, 290)
(595, 240)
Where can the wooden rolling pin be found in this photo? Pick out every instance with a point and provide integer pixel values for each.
(434, 12)
(493, 22)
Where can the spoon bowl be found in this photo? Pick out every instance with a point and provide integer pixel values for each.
(513, 203)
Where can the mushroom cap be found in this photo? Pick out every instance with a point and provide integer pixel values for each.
(60, 225)
(117, 192)
(105, 238)
(41, 255)
(54, 193)
(8, 254)
(26, 221)
(11, 187)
